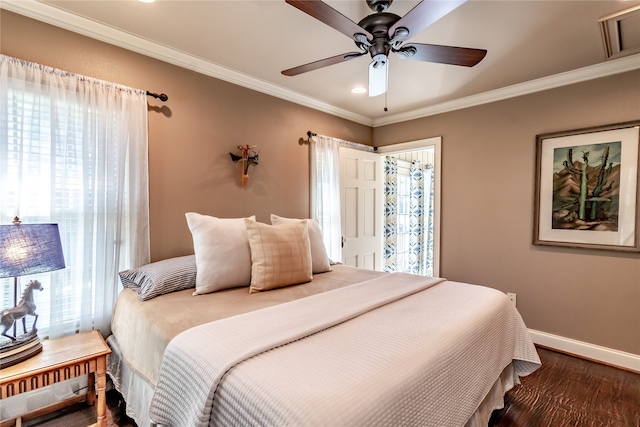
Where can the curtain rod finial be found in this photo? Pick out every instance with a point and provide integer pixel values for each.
(163, 97)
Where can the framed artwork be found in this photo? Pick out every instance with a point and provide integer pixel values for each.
(587, 188)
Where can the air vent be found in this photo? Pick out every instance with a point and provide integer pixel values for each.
(621, 32)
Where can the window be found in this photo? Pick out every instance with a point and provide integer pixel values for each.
(73, 151)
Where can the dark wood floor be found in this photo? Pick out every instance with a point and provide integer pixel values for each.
(565, 391)
(568, 391)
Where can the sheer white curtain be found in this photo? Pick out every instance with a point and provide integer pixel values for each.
(73, 151)
(325, 192)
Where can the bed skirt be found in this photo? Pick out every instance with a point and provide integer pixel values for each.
(135, 391)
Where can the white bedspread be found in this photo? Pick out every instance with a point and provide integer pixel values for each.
(395, 350)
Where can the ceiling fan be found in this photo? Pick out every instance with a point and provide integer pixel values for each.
(382, 32)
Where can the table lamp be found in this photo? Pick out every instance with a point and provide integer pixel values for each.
(25, 249)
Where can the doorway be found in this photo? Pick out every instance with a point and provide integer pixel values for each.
(365, 213)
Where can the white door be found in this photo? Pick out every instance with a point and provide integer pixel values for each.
(361, 208)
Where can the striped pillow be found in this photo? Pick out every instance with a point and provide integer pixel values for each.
(161, 277)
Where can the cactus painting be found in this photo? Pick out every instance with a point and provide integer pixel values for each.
(586, 187)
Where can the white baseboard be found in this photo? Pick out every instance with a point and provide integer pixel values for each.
(598, 353)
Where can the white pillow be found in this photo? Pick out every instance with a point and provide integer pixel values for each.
(223, 255)
(280, 255)
(319, 257)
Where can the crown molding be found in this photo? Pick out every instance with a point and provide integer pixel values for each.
(77, 24)
(616, 66)
(95, 30)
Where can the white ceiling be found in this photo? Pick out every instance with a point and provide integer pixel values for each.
(251, 42)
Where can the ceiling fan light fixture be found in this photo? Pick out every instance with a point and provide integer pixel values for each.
(361, 39)
(401, 33)
(379, 61)
(407, 51)
(378, 78)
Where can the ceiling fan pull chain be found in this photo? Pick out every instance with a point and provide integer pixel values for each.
(386, 92)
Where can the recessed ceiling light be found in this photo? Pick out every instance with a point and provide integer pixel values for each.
(146, 1)
(358, 89)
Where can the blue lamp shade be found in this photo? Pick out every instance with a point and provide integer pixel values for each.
(29, 249)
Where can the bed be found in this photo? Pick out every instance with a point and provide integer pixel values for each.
(347, 347)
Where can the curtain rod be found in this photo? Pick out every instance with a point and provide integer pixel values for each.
(162, 96)
(349, 144)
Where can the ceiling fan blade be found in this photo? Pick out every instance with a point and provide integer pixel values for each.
(378, 78)
(325, 13)
(422, 15)
(322, 63)
(464, 56)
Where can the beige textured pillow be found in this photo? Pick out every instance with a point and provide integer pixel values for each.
(223, 256)
(319, 258)
(280, 255)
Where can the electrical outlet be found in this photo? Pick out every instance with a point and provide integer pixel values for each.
(512, 297)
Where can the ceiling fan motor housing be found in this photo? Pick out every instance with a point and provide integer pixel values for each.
(378, 25)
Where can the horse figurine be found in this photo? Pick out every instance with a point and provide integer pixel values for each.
(26, 307)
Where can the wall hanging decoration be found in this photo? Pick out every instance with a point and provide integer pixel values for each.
(586, 191)
(248, 156)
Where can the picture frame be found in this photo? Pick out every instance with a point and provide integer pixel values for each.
(587, 188)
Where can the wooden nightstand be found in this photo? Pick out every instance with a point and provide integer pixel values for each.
(62, 359)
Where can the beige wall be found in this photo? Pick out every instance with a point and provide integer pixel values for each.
(488, 167)
(488, 163)
(191, 135)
